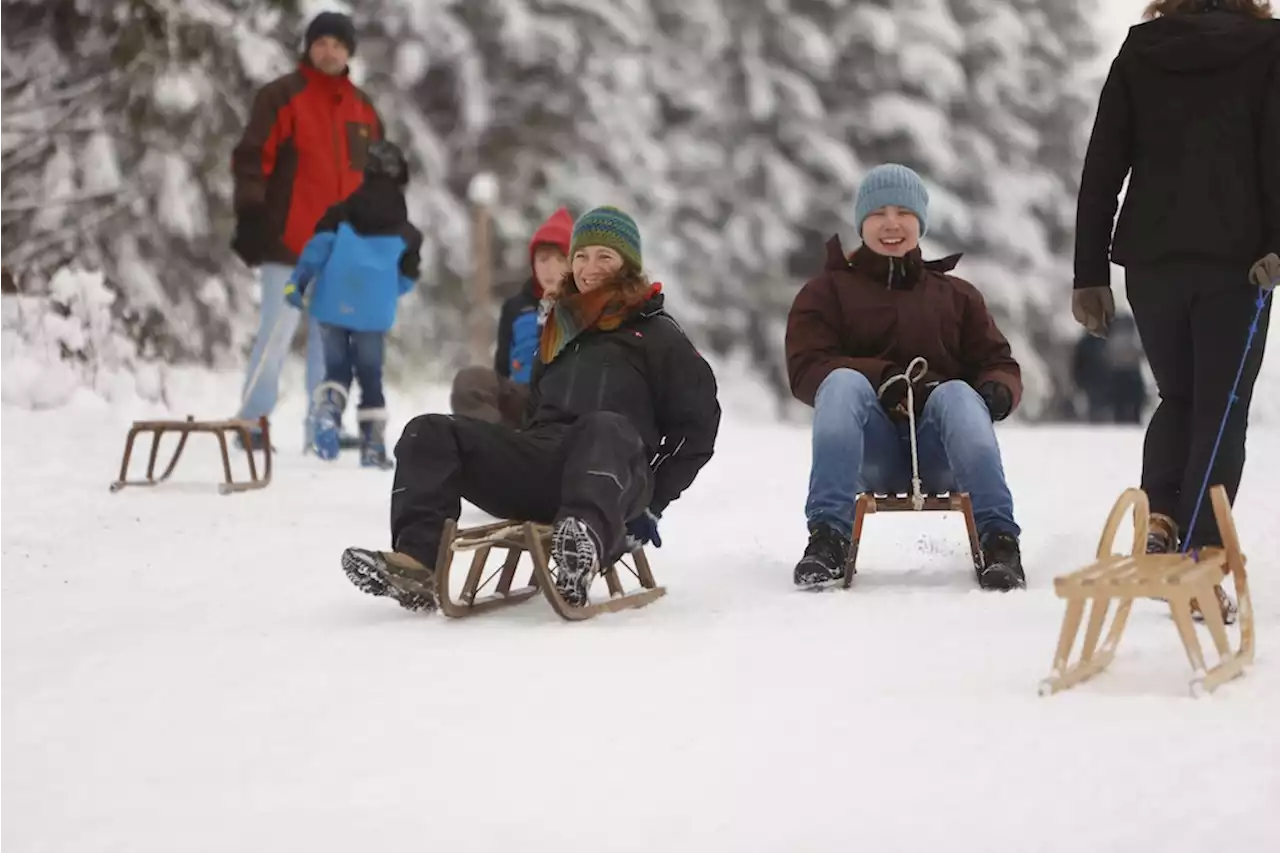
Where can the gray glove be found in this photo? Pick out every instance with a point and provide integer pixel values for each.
(1265, 273)
(1094, 308)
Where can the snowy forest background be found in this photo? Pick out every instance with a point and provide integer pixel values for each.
(735, 131)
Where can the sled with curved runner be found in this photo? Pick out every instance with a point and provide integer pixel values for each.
(184, 429)
(481, 592)
(1177, 579)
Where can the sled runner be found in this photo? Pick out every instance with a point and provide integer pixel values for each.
(517, 538)
(184, 429)
(946, 502)
(1177, 579)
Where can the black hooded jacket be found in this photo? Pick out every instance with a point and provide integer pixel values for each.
(649, 371)
(1191, 113)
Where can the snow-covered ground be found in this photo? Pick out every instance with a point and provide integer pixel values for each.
(188, 671)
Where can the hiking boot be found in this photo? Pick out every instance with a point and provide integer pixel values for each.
(1162, 534)
(824, 557)
(392, 574)
(577, 559)
(1001, 563)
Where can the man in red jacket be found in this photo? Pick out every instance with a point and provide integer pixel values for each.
(302, 151)
(858, 327)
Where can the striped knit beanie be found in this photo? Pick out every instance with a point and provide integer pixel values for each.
(896, 185)
(608, 226)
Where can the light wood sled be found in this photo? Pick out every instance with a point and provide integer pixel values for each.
(518, 538)
(1173, 578)
(869, 503)
(184, 429)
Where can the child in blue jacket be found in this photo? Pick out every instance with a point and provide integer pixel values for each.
(363, 257)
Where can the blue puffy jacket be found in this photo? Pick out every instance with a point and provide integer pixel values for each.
(363, 257)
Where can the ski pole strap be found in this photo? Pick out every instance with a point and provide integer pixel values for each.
(1264, 293)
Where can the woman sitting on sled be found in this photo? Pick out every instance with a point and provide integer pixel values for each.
(852, 334)
(622, 417)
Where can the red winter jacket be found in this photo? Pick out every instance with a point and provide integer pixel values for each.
(302, 152)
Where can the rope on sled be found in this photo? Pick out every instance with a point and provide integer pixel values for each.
(1263, 294)
(911, 376)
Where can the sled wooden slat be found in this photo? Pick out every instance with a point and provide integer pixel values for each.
(184, 429)
(869, 503)
(519, 538)
(1176, 579)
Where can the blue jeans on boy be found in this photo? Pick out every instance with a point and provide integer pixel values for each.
(358, 355)
(858, 448)
(266, 364)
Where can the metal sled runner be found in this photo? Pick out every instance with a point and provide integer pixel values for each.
(184, 429)
(1178, 579)
(482, 592)
(946, 502)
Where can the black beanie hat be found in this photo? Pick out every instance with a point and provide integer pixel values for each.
(333, 24)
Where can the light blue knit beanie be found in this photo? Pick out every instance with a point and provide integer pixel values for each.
(892, 184)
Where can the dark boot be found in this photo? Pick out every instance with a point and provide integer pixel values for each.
(373, 442)
(824, 558)
(391, 574)
(1001, 563)
(326, 419)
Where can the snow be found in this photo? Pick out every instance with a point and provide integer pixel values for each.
(184, 670)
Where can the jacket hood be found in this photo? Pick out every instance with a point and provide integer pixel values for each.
(556, 230)
(1203, 41)
(377, 206)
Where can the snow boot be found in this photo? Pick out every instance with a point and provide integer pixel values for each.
(326, 418)
(1162, 534)
(825, 558)
(391, 574)
(373, 439)
(1001, 563)
(576, 552)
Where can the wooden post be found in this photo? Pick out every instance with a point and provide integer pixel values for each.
(483, 193)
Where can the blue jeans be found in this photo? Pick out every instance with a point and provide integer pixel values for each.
(857, 448)
(349, 354)
(270, 351)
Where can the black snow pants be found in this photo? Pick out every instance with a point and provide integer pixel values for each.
(594, 470)
(1193, 317)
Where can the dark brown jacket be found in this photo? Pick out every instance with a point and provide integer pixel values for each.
(875, 314)
(302, 152)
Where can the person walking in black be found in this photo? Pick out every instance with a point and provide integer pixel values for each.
(1190, 113)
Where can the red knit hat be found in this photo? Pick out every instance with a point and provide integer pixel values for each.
(557, 230)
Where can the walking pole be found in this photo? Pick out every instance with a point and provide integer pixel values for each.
(1264, 293)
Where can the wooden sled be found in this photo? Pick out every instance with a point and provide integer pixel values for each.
(518, 538)
(869, 503)
(1173, 578)
(219, 429)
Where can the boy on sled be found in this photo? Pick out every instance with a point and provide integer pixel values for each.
(852, 334)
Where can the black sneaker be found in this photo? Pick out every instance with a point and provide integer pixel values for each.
(824, 558)
(1001, 563)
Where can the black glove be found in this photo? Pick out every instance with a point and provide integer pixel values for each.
(251, 240)
(894, 396)
(998, 397)
(643, 529)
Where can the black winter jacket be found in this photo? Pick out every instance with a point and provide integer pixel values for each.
(1191, 112)
(649, 371)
